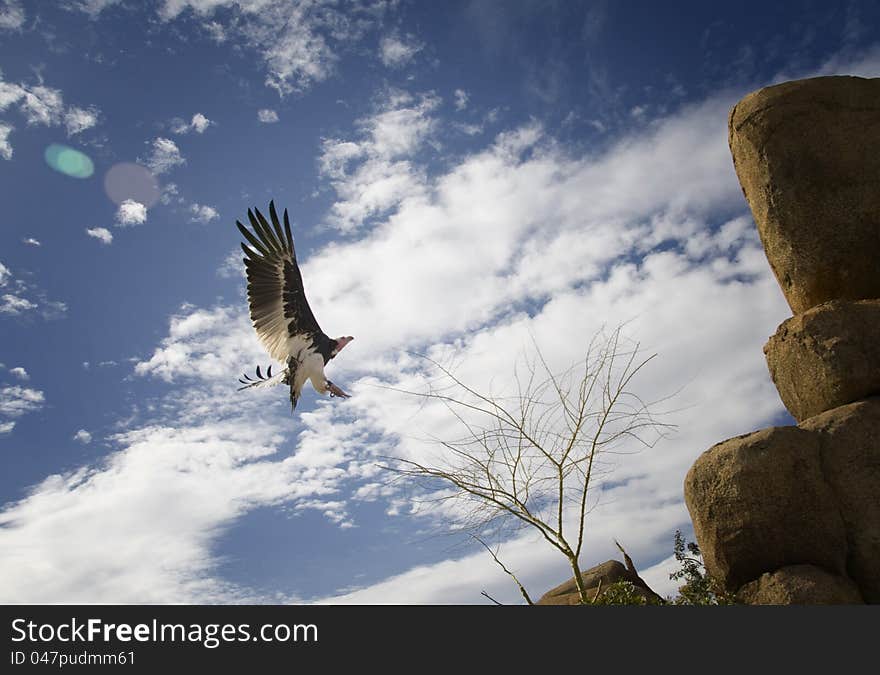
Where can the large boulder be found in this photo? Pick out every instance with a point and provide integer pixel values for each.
(791, 496)
(800, 585)
(807, 154)
(760, 502)
(827, 357)
(605, 574)
(849, 439)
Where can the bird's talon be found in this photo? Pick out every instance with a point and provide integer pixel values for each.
(336, 392)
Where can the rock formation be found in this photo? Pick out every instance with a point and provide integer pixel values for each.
(605, 575)
(807, 154)
(827, 356)
(801, 585)
(791, 515)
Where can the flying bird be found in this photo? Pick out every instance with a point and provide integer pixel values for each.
(280, 313)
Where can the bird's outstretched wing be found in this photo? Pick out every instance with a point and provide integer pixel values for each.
(278, 306)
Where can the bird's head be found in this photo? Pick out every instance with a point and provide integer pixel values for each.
(340, 344)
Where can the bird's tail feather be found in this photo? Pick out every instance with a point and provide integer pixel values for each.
(267, 380)
(294, 397)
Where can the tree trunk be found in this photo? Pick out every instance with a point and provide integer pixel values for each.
(579, 580)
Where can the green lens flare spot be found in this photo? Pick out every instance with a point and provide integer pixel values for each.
(68, 161)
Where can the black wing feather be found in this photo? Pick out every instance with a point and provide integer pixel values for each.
(276, 297)
(276, 242)
(275, 224)
(265, 236)
(250, 254)
(252, 239)
(289, 236)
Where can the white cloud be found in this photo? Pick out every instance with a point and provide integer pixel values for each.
(215, 31)
(267, 116)
(199, 124)
(102, 234)
(296, 39)
(77, 120)
(468, 129)
(15, 304)
(657, 577)
(11, 15)
(520, 219)
(16, 401)
(461, 99)
(864, 64)
(30, 241)
(6, 427)
(19, 373)
(460, 580)
(401, 125)
(94, 7)
(52, 309)
(232, 266)
(202, 214)
(598, 125)
(24, 298)
(9, 94)
(336, 156)
(41, 105)
(202, 344)
(129, 212)
(168, 491)
(82, 436)
(384, 174)
(5, 146)
(334, 511)
(164, 155)
(170, 193)
(396, 52)
(638, 112)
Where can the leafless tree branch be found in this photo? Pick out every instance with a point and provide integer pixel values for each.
(534, 457)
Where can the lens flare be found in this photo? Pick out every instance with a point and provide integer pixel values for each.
(68, 161)
(129, 181)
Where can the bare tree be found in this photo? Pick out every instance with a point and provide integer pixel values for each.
(534, 458)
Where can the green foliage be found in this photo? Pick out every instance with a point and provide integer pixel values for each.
(624, 593)
(699, 587)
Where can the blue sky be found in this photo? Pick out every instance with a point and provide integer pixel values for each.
(461, 176)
